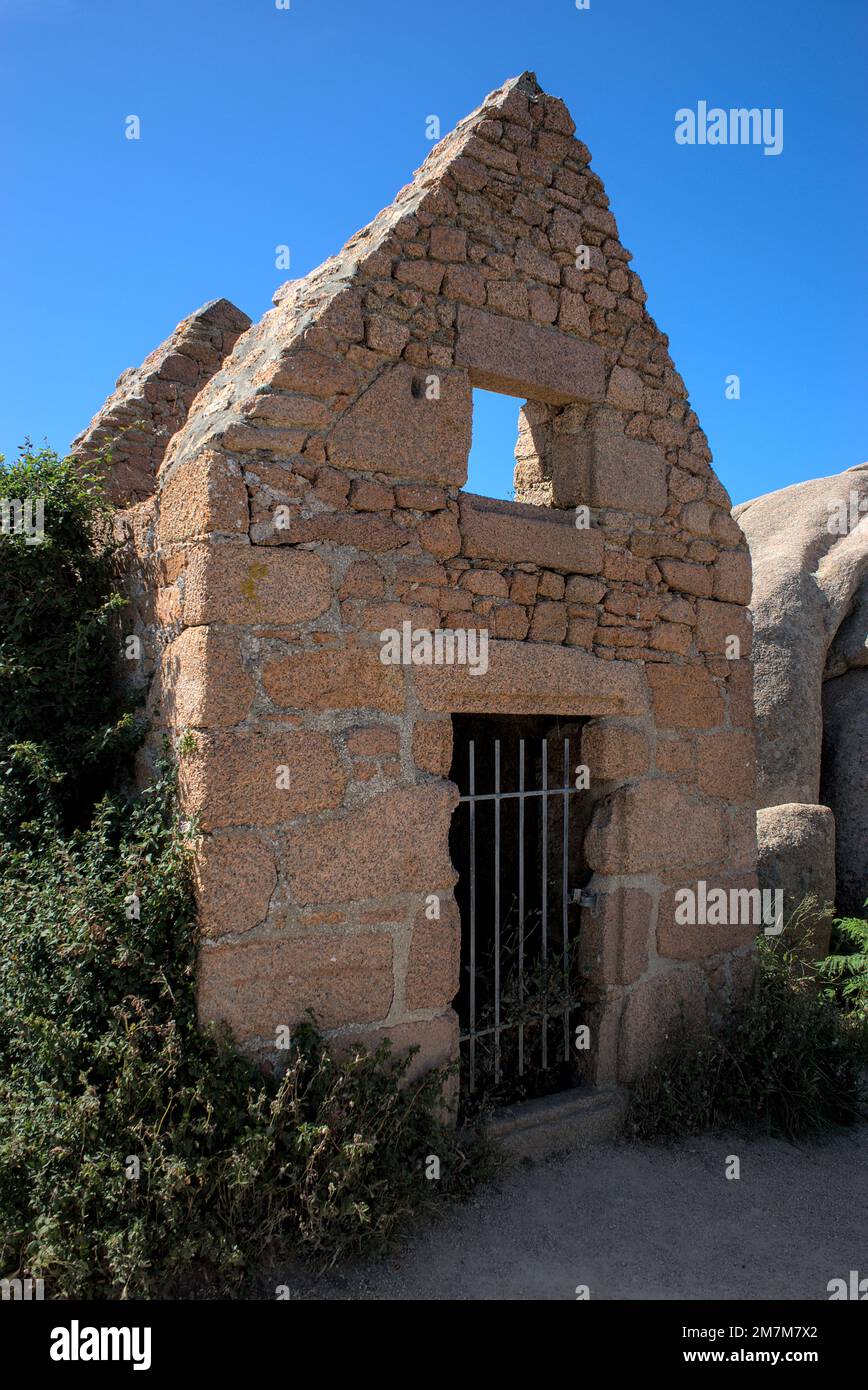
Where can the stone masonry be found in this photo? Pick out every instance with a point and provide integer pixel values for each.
(311, 496)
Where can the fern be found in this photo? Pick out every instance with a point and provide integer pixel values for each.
(849, 968)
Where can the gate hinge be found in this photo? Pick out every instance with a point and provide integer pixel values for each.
(582, 898)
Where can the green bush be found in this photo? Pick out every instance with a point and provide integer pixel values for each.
(64, 728)
(102, 1061)
(136, 1149)
(786, 1064)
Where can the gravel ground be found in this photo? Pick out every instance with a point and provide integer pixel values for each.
(634, 1221)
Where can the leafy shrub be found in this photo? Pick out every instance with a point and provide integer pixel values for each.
(102, 1060)
(136, 1148)
(785, 1063)
(64, 729)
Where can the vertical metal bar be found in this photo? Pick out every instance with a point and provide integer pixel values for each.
(564, 899)
(472, 806)
(520, 902)
(497, 911)
(544, 807)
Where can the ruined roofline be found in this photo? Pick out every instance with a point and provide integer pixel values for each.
(407, 199)
(150, 403)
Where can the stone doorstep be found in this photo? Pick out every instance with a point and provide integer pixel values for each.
(570, 1120)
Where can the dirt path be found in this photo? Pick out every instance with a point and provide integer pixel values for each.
(638, 1222)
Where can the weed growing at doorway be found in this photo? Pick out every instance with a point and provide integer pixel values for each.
(787, 1063)
(537, 1000)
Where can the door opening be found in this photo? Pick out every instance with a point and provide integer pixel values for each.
(517, 841)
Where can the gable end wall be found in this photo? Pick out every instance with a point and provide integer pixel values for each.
(313, 498)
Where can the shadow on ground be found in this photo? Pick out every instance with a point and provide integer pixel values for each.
(636, 1222)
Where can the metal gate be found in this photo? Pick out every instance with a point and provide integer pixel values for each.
(517, 842)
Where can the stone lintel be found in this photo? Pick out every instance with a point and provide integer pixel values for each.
(534, 678)
(521, 359)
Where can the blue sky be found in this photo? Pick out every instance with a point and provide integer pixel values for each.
(262, 127)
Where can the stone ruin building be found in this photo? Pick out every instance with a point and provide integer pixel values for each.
(411, 850)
